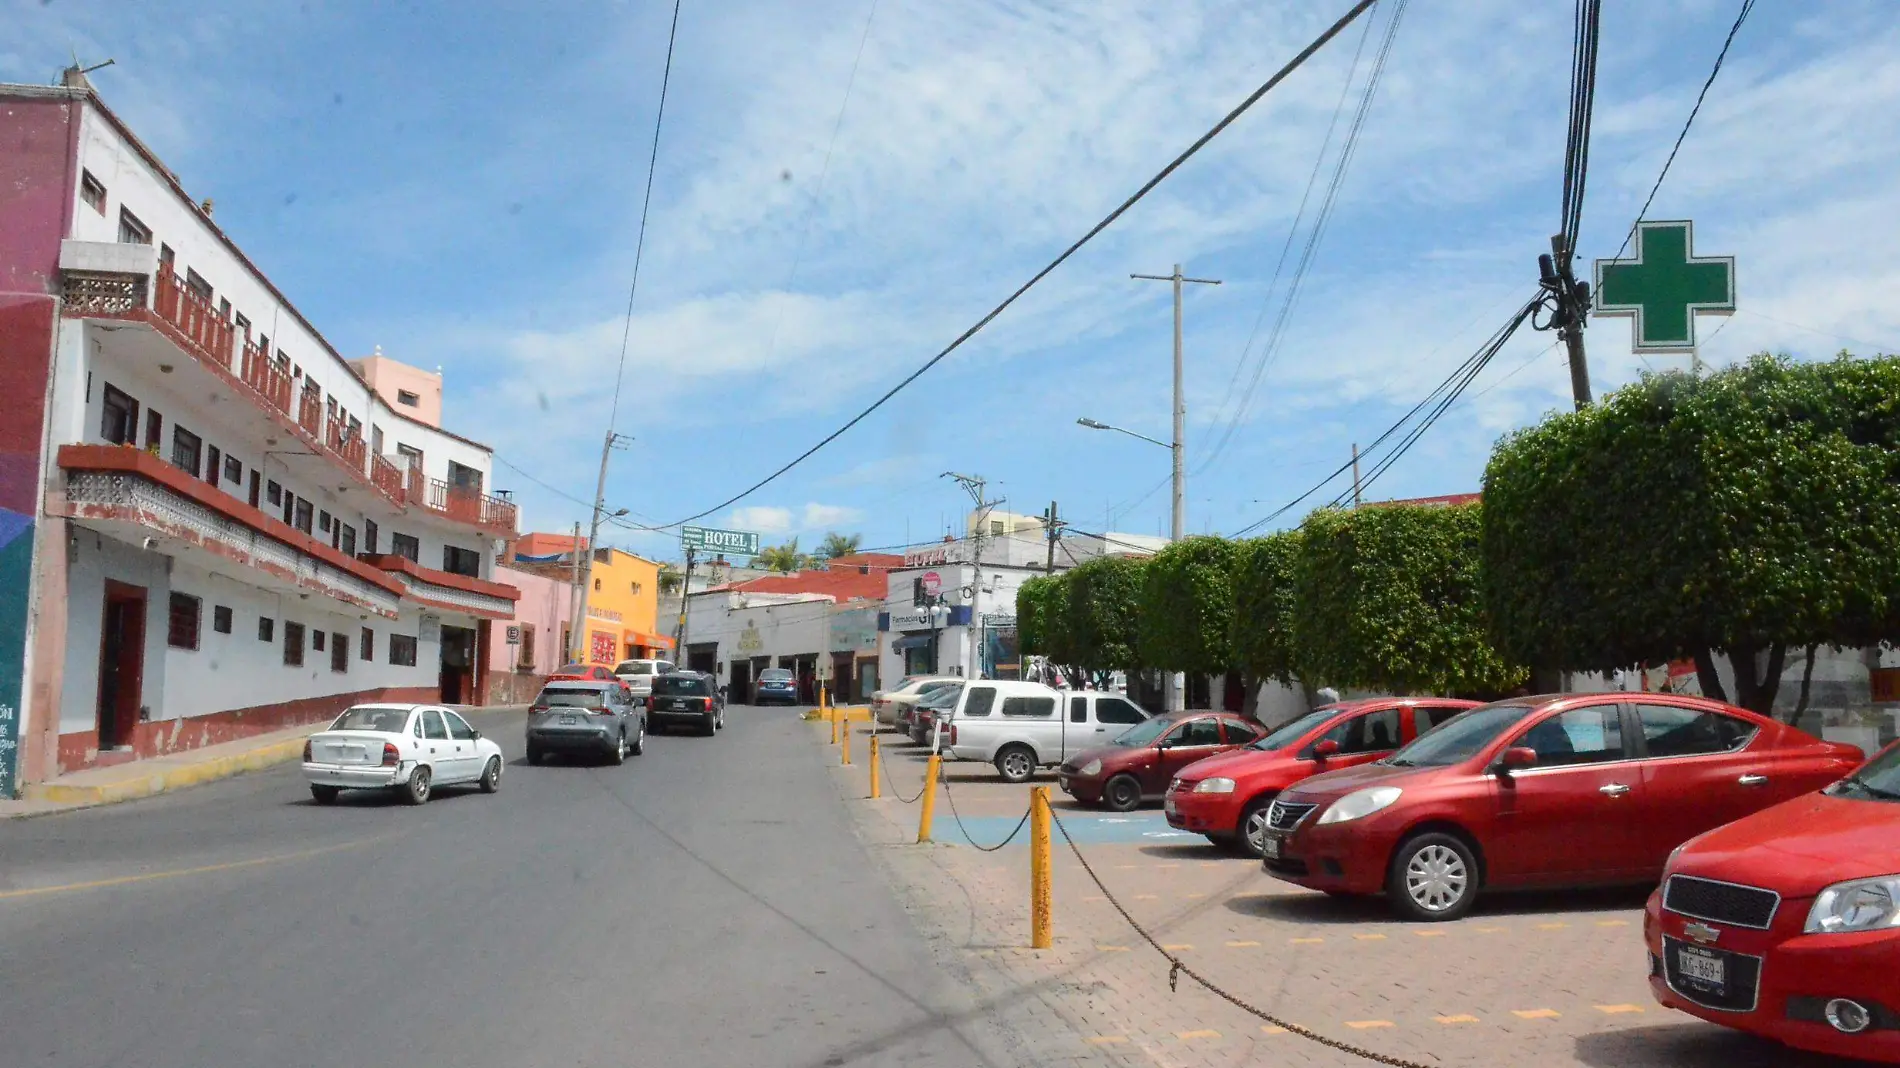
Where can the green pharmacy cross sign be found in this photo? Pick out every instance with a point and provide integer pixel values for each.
(1665, 286)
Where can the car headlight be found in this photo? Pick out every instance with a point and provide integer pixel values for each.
(1092, 768)
(1360, 804)
(1214, 786)
(1860, 905)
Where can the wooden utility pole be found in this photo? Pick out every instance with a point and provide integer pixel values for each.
(1050, 525)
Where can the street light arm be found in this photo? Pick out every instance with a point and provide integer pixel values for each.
(1093, 425)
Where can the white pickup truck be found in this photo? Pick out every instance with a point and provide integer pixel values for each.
(1021, 726)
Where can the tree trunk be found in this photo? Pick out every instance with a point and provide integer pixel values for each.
(1756, 683)
(1807, 677)
(1250, 697)
(1708, 677)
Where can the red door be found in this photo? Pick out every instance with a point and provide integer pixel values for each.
(121, 664)
(1700, 772)
(1576, 815)
(1196, 739)
(1362, 739)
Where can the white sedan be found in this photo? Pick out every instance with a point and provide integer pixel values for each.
(410, 749)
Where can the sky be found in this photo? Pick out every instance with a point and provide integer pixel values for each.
(844, 186)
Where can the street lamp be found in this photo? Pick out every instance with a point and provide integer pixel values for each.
(1094, 425)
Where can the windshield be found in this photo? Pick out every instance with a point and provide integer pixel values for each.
(1144, 733)
(1877, 780)
(634, 667)
(682, 684)
(1294, 731)
(775, 675)
(573, 697)
(1461, 737)
(386, 720)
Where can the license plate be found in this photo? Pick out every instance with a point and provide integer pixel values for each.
(570, 719)
(1270, 848)
(1702, 967)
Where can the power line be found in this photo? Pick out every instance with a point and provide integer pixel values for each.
(646, 201)
(1583, 82)
(1358, 8)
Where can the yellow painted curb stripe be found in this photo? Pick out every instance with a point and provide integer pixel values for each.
(162, 779)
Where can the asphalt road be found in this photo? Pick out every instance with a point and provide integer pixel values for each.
(704, 904)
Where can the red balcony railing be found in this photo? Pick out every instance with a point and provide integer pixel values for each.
(463, 504)
(264, 377)
(194, 316)
(387, 477)
(348, 445)
(310, 410)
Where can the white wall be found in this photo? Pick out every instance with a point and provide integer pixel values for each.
(786, 627)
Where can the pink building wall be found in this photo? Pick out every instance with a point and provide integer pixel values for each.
(546, 606)
(391, 378)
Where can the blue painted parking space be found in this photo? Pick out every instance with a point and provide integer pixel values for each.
(1125, 828)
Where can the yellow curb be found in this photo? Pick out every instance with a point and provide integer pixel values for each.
(164, 779)
(1536, 1014)
(1364, 1025)
(1459, 1019)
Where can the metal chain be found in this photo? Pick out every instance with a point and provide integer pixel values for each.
(1177, 968)
(885, 763)
(1020, 824)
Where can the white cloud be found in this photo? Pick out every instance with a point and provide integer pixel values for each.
(763, 519)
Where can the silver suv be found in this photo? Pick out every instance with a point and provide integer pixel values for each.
(581, 716)
(638, 675)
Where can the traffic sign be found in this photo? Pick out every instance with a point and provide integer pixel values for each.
(711, 539)
(933, 583)
(1665, 286)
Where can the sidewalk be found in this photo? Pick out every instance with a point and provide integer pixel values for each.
(176, 771)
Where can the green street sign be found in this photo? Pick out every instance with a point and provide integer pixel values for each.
(737, 542)
(1665, 286)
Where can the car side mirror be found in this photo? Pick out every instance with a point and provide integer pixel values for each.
(475, 735)
(1326, 747)
(1516, 758)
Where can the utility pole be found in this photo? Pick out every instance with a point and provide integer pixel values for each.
(974, 485)
(1355, 474)
(1174, 696)
(1050, 527)
(686, 590)
(574, 602)
(1570, 302)
(586, 578)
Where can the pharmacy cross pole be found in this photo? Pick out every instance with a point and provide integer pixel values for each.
(1665, 286)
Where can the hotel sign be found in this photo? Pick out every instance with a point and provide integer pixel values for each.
(713, 540)
(937, 555)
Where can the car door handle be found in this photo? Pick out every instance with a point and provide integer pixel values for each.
(1613, 789)
(1752, 779)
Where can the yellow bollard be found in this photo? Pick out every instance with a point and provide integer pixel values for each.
(847, 743)
(833, 716)
(1039, 900)
(874, 784)
(930, 798)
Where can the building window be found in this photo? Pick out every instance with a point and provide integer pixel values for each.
(273, 493)
(257, 487)
(463, 477)
(266, 628)
(596, 585)
(92, 191)
(375, 440)
(182, 631)
(153, 423)
(369, 536)
(290, 508)
(402, 650)
(198, 286)
(243, 325)
(214, 461)
(323, 521)
(339, 653)
(410, 455)
(293, 644)
(224, 309)
(187, 450)
(460, 561)
(166, 257)
(132, 231)
(119, 423)
(406, 547)
(366, 649)
(316, 640)
(303, 516)
(221, 619)
(346, 539)
(403, 396)
(233, 471)
(525, 662)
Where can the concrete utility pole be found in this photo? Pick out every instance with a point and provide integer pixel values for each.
(1355, 474)
(1050, 526)
(974, 485)
(586, 577)
(574, 603)
(1572, 303)
(1179, 526)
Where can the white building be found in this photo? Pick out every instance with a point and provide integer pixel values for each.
(229, 530)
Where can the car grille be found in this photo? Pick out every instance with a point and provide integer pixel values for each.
(1718, 902)
(1286, 815)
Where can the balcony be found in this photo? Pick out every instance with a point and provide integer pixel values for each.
(387, 478)
(462, 504)
(265, 379)
(440, 589)
(347, 444)
(310, 410)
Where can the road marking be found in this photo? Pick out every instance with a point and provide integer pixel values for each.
(1369, 937)
(1366, 1025)
(1167, 867)
(1429, 934)
(1459, 1019)
(1193, 896)
(1307, 941)
(179, 873)
(1147, 897)
(1241, 945)
(1126, 867)
(1536, 1014)
(1613, 923)
(1189, 1035)
(1176, 947)
(1111, 949)
(1269, 1029)
(1093, 898)
(1107, 1040)
(1488, 930)
(1552, 926)
(1615, 1010)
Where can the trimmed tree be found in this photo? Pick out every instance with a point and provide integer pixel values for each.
(1104, 597)
(1388, 598)
(1752, 511)
(1186, 606)
(1260, 631)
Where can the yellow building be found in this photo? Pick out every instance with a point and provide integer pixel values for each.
(623, 610)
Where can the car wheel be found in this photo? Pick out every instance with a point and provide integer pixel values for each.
(324, 795)
(1253, 826)
(618, 754)
(710, 726)
(1433, 877)
(491, 775)
(1122, 793)
(416, 790)
(1016, 763)
(640, 739)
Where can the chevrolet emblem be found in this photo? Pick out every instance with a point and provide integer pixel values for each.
(1701, 932)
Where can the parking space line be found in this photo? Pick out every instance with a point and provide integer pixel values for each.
(1241, 945)
(1177, 947)
(1536, 1014)
(1369, 937)
(1367, 1025)
(1458, 1019)
(1107, 1040)
(1306, 941)
(1186, 1036)
(1111, 949)
(1616, 1010)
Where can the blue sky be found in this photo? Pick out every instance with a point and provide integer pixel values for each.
(461, 183)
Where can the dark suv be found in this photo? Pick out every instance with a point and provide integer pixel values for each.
(687, 697)
(586, 717)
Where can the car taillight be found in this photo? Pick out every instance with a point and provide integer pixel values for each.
(953, 734)
(535, 710)
(706, 702)
(306, 750)
(391, 757)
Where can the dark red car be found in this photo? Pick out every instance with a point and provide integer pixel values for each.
(1563, 790)
(1226, 797)
(1139, 763)
(1786, 923)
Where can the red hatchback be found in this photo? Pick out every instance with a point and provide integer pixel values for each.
(1226, 797)
(1137, 765)
(1563, 790)
(1787, 923)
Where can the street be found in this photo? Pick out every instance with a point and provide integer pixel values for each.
(705, 903)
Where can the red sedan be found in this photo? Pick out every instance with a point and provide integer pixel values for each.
(583, 672)
(1786, 923)
(1226, 797)
(1564, 790)
(1138, 764)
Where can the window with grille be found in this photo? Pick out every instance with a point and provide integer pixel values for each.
(221, 619)
(339, 653)
(182, 629)
(92, 191)
(402, 650)
(187, 450)
(119, 419)
(293, 644)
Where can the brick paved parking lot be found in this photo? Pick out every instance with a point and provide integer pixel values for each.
(1550, 979)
